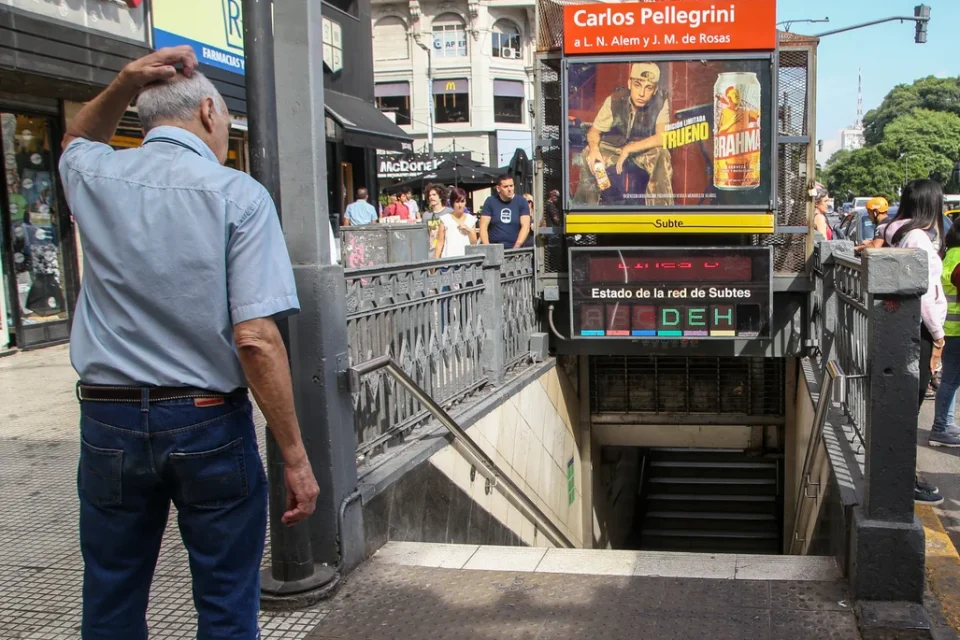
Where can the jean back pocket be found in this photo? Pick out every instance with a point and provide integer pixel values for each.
(101, 473)
(210, 478)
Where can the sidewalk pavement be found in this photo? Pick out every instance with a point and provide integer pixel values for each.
(40, 563)
(940, 466)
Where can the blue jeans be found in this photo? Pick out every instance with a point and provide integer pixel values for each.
(135, 458)
(949, 383)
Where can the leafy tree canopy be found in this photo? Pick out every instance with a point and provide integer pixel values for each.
(913, 134)
(935, 94)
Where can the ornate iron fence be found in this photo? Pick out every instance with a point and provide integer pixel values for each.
(425, 316)
(436, 320)
(519, 314)
(852, 337)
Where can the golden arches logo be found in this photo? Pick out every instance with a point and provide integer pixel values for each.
(451, 86)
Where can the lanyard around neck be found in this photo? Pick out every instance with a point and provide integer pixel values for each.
(176, 142)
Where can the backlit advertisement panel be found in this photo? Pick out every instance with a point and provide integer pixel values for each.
(667, 133)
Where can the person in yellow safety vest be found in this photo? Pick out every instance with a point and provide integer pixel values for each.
(944, 432)
(877, 209)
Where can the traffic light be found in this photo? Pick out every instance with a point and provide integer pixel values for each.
(921, 11)
(956, 173)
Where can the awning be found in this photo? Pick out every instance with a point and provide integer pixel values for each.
(364, 125)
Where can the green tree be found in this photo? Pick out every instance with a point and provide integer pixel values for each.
(864, 172)
(935, 94)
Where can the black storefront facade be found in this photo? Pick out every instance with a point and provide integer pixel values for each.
(49, 67)
(355, 127)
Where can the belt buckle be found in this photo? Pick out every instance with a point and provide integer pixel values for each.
(76, 391)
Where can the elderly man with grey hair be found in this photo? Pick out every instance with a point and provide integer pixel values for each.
(185, 273)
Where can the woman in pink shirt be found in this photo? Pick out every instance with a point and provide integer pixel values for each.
(918, 224)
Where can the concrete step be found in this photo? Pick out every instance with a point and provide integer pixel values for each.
(610, 562)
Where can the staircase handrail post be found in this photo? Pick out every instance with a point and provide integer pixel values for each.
(493, 351)
(887, 552)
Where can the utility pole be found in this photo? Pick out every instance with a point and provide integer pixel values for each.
(288, 149)
(431, 115)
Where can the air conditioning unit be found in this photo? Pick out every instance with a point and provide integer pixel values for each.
(509, 52)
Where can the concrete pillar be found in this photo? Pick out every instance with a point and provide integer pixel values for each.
(318, 334)
(887, 541)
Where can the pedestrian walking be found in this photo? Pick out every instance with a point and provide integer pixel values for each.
(458, 229)
(412, 205)
(819, 222)
(360, 212)
(186, 272)
(505, 217)
(436, 208)
(944, 432)
(397, 208)
(918, 223)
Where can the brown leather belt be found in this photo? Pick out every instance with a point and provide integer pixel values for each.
(107, 393)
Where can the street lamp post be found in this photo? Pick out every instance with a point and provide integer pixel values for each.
(430, 117)
(906, 168)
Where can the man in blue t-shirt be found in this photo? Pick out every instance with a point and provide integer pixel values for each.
(505, 217)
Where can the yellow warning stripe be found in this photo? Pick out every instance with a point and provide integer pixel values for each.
(943, 564)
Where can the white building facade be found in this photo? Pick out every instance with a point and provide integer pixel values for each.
(481, 61)
(851, 138)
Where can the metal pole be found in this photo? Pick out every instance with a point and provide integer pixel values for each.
(291, 558)
(870, 24)
(431, 117)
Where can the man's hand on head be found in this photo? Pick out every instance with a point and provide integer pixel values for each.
(160, 65)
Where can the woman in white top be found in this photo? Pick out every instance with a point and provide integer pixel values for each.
(457, 230)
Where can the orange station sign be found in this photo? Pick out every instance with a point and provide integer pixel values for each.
(686, 25)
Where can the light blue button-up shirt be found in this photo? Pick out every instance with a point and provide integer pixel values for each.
(360, 212)
(176, 250)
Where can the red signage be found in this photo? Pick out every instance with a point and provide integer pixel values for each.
(687, 25)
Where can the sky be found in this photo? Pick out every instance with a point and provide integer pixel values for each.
(886, 53)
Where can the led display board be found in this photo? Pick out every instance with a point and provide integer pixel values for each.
(675, 293)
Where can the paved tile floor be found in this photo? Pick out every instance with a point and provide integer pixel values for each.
(386, 601)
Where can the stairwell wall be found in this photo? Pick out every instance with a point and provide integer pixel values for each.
(531, 438)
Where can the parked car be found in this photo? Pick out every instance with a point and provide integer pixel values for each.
(858, 226)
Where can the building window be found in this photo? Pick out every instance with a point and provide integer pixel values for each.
(390, 40)
(508, 101)
(449, 36)
(505, 40)
(451, 100)
(394, 97)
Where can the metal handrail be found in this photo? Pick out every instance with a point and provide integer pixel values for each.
(488, 467)
(834, 382)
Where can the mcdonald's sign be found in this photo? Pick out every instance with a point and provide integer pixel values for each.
(455, 85)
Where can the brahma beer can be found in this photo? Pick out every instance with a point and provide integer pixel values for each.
(736, 132)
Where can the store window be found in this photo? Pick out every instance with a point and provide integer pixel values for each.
(505, 40)
(449, 36)
(451, 100)
(508, 101)
(394, 98)
(33, 219)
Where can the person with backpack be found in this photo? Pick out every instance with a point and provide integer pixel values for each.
(918, 223)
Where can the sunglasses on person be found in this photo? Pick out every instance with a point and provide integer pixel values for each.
(530, 202)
